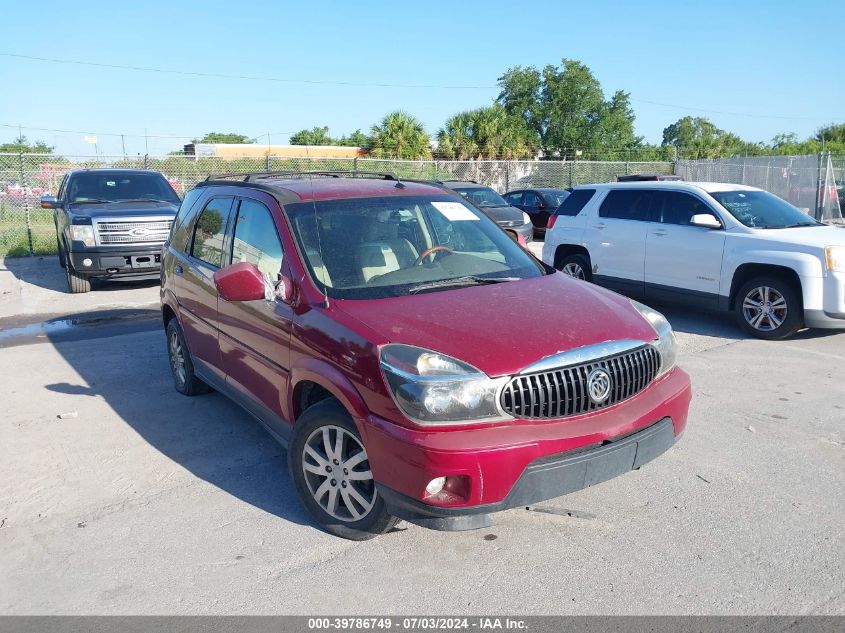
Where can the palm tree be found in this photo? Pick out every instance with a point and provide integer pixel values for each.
(400, 135)
(486, 133)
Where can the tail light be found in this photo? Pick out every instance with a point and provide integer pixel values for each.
(551, 221)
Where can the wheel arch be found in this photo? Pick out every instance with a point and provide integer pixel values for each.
(748, 271)
(316, 380)
(565, 250)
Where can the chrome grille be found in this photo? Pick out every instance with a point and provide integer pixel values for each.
(133, 232)
(562, 392)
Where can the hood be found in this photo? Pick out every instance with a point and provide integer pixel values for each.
(502, 328)
(117, 209)
(819, 236)
(503, 214)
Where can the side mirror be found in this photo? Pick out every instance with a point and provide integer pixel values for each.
(705, 220)
(240, 282)
(49, 202)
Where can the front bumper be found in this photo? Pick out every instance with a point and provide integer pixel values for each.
(508, 463)
(118, 263)
(543, 479)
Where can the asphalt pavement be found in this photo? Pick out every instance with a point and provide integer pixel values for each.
(120, 496)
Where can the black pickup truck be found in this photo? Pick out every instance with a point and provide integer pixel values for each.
(111, 223)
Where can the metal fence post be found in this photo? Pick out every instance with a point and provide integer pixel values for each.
(508, 175)
(26, 204)
(570, 174)
(146, 161)
(355, 165)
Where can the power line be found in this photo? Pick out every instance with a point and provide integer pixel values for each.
(366, 84)
(244, 77)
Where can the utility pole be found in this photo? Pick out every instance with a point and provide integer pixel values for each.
(123, 145)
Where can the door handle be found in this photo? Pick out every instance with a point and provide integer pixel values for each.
(600, 225)
(178, 269)
(659, 233)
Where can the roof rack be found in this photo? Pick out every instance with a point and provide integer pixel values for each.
(261, 175)
(456, 180)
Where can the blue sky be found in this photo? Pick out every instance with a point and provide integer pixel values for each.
(754, 68)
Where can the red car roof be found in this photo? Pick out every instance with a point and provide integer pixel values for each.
(321, 188)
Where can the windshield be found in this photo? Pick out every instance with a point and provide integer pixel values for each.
(371, 248)
(117, 187)
(555, 198)
(762, 210)
(482, 196)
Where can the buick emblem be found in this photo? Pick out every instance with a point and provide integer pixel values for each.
(598, 385)
(139, 232)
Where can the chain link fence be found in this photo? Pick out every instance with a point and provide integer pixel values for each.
(808, 182)
(26, 229)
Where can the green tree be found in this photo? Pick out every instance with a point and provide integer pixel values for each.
(314, 136)
(356, 139)
(21, 144)
(224, 137)
(566, 109)
(486, 133)
(400, 135)
(698, 137)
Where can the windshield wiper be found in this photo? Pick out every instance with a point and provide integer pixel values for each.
(468, 280)
(92, 201)
(795, 226)
(146, 200)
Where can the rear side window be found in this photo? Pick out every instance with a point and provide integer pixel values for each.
(575, 202)
(622, 204)
(210, 231)
(514, 198)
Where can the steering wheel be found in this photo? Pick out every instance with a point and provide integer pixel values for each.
(430, 251)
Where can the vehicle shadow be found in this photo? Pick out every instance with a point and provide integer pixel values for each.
(208, 435)
(716, 324)
(45, 272)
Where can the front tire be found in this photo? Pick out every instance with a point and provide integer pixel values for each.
(184, 379)
(769, 308)
(577, 266)
(76, 282)
(330, 469)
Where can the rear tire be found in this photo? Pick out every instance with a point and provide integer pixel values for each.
(184, 379)
(76, 282)
(336, 485)
(577, 266)
(769, 308)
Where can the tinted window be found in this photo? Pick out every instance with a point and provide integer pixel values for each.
(210, 231)
(530, 199)
(120, 187)
(674, 207)
(554, 198)
(625, 204)
(256, 240)
(514, 198)
(576, 201)
(482, 196)
(179, 231)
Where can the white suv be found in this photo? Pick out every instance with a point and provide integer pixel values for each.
(712, 245)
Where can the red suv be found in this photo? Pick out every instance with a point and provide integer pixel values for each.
(417, 362)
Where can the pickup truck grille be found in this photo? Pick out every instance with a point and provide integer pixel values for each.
(133, 232)
(563, 392)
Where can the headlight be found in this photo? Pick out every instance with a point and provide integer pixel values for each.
(834, 258)
(526, 219)
(665, 344)
(82, 233)
(431, 388)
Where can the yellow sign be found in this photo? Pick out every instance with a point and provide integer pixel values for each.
(91, 139)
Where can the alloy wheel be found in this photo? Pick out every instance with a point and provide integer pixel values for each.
(574, 269)
(177, 357)
(338, 475)
(764, 308)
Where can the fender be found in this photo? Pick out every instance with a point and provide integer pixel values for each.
(808, 267)
(332, 380)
